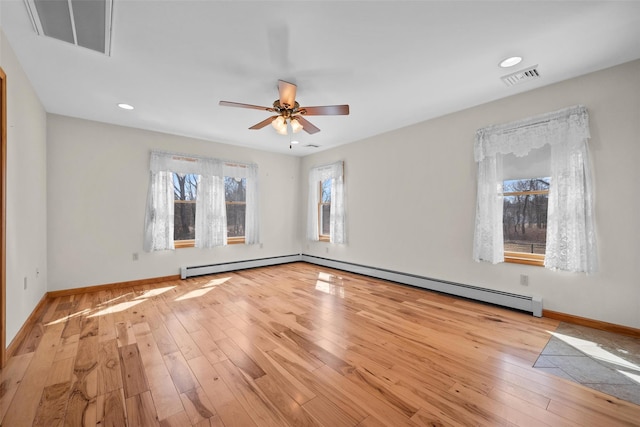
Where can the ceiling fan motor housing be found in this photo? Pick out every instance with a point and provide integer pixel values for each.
(284, 108)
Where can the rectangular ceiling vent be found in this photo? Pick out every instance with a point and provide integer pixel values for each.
(80, 22)
(521, 76)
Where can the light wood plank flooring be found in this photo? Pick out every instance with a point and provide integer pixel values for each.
(290, 345)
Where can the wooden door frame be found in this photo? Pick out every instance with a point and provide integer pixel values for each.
(3, 216)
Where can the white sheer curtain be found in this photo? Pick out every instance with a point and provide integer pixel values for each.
(337, 215)
(489, 241)
(211, 222)
(337, 212)
(252, 220)
(211, 212)
(571, 240)
(159, 217)
(571, 235)
(158, 233)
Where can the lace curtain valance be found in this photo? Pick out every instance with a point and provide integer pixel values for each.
(162, 161)
(569, 125)
(321, 173)
(571, 239)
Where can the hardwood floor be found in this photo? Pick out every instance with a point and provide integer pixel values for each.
(291, 345)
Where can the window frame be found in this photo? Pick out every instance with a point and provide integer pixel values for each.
(191, 243)
(185, 243)
(337, 220)
(321, 204)
(513, 257)
(237, 239)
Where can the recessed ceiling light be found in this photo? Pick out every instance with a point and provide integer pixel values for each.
(510, 62)
(126, 106)
(295, 142)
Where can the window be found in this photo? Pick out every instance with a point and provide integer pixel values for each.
(185, 189)
(326, 214)
(201, 202)
(324, 210)
(570, 227)
(524, 220)
(235, 195)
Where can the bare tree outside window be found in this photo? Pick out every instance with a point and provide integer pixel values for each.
(235, 194)
(324, 208)
(185, 190)
(525, 215)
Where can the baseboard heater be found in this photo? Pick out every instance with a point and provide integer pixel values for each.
(519, 302)
(237, 265)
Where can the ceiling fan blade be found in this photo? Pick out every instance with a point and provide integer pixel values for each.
(263, 123)
(307, 126)
(238, 104)
(287, 94)
(326, 110)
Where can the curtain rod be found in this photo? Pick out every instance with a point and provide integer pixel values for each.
(535, 120)
(329, 165)
(195, 157)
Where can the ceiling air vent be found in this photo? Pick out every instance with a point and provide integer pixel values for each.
(81, 22)
(521, 76)
(312, 146)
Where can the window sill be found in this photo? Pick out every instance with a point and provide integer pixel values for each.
(324, 238)
(179, 244)
(524, 258)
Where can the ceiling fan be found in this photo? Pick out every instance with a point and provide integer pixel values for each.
(289, 113)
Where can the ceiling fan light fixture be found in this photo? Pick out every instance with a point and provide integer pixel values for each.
(279, 123)
(295, 126)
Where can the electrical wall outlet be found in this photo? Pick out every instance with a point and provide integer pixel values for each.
(135, 256)
(524, 280)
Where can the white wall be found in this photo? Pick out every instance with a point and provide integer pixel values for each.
(26, 194)
(411, 198)
(76, 193)
(98, 176)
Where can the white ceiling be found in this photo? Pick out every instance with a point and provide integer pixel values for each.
(394, 62)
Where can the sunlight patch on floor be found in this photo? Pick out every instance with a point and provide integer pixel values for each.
(196, 293)
(594, 350)
(330, 284)
(155, 292)
(70, 316)
(330, 288)
(216, 282)
(122, 306)
(631, 376)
